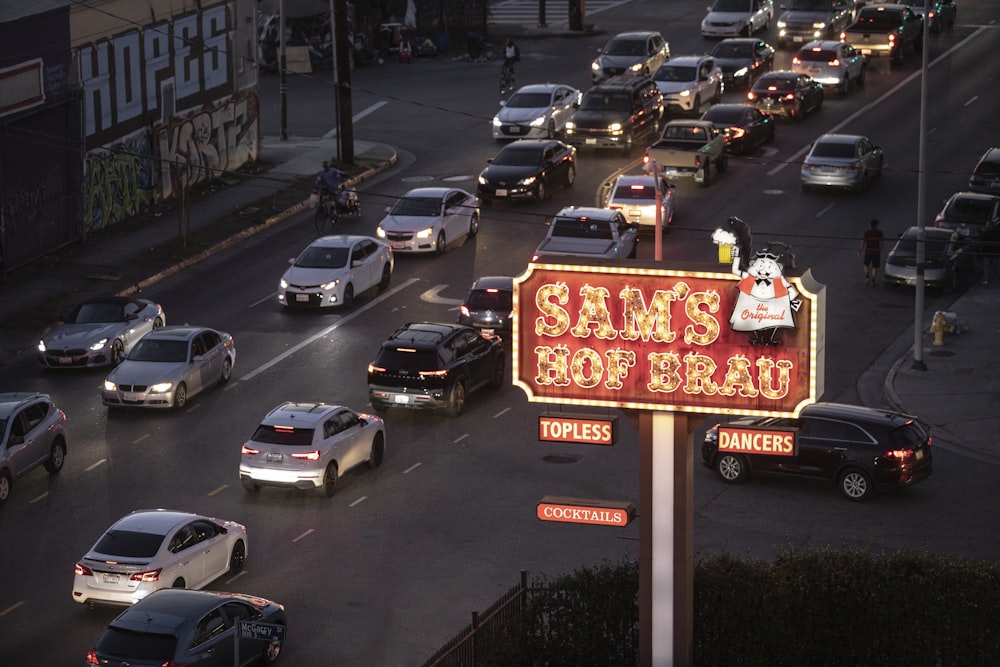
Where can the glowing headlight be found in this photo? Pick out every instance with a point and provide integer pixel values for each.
(331, 284)
(741, 72)
(538, 122)
(596, 66)
(161, 387)
(780, 24)
(819, 25)
(41, 346)
(685, 93)
(637, 67)
(425, 233)
(528, 181)
(615, 127)
(570, 125)
(99, 345)
(283, 284)
(482, 180)
(379, 232)
(110, 386)
(496, 121)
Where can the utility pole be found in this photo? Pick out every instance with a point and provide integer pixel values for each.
(282, 88)
(918, 295)
(342, 68)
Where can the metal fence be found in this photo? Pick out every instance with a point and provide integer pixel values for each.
(480, 639)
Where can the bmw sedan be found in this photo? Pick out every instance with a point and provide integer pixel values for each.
(175, 627)
(152, 549)
(99, 332)
(428, 219)
(786, 94)
(743, 126)
(842, 161)
(310, 446)
(528, 169)
(537, 111)
(169, 366)
(333, 269)
(858, 449)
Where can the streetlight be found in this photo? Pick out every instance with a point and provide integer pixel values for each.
(918, 299)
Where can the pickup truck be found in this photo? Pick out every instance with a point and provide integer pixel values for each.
(886, 30)
(584, 232)
(688, 148)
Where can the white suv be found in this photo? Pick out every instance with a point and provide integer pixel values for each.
(32, 433)
(687, 81)
(834, 64)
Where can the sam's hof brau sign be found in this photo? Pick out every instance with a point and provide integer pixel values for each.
(665, 339)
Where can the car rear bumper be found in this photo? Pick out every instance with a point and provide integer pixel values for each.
(292, 479)
(403, 397)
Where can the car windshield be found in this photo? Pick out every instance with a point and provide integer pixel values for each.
(725, 115)
(318, 257)
(968, 211)
(159, 349)
(583, 229)
(625, 192)
(518, 156)
(603, 101)
(810, 5)
(990, 169)
(625, 47)
(724, 50)
(129, 544)
(835, 149)
(491, 300)
(147, 647)
(817, 55)
(90, 313)
(910, 434)
(283, 435)
(934, 246)
(879, 20)
(418, 206)
(529, 100)
(675, 73)
(731, 6)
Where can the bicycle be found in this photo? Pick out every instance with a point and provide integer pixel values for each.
(326, 211)
(506, 78)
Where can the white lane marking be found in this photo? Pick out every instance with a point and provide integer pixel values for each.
(218, 490)
(798, 156)
(974, 98)
(461, 438)
(358, 116)
(270, 297)
(412, 467)
(97, 463)
(823, 212)
(37, 498)
(140, 439)
(358, 501)
(236, 576)
(305, 534)
(315, 337)
(505, 410)
(431, 296)
(11, 608)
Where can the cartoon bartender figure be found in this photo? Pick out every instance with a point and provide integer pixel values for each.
(766, 300)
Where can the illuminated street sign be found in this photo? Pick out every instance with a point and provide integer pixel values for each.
(747, 440)
(582, 510)
(583, 429)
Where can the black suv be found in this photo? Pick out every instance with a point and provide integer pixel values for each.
(428, 365)
(860, 449)
(617, 112)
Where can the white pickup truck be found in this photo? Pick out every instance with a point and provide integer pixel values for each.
(589, 232)
(689, 148)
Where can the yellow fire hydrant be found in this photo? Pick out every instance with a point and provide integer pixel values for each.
(940, 326)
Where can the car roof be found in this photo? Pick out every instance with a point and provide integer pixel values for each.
(636, 34)
(175, 332)
(155, 521)
(686, 60)
(340, 240)
(494, 282)
(822, 44)
(530, 143)
(10, 400)
(290, 411)
(542, 87)
(913, 231)
(740, 40)
(973, 195)
(781, 75)
(423, 335)
(427, 192)
(587, 212)
(630, 179)
(834, 138)
(167, 609)
(622, 82)
(857, 413)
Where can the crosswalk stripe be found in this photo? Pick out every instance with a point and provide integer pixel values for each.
(525, 12)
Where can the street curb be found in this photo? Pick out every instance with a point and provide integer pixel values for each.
(250, 231)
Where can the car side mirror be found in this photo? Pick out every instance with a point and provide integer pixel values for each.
(356, 263)
(503, 103)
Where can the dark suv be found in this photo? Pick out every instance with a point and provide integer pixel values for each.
(986, 175)
(859, 449)
(427, 365)
(616, 113)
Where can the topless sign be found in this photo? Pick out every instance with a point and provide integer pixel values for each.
(663, 339)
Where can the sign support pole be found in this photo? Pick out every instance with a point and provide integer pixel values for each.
(666, 540)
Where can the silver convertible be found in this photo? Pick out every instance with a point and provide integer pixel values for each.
(170, 365)
(99, 332)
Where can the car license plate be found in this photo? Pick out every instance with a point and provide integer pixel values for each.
(275, 457)
(111, 578)
(515, 129)
(919, 454)
(866, 52)
(131, 397)
(670, 170)
(397, 244)
(501, 193)
(65, 360)
(797, 38)
(488, 332)
(301, 297)
(400, 398)
(591, 140)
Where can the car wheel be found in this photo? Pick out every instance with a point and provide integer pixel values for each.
(862, 184)
(4, 486)
(250, 485)
(570, 175)
(57, 456)
(706, 172)
(855, 484)
(238, 557)
(456, 402)
(634, 252)
(696, 107)
(227, 370)
(378, 451)
(496, 375)
(842, 88)
(722, 164)
(179, 583)
(348, 296)
(180, 396)
(473, 226)
(732, 468)
(271, 653)
(440, 245)
(718, 93)
(330, 480)
(627, 140)
(540, 193)
(117, 352)
(379, 407)
(158, 323)
(383, 284)
(552, 129)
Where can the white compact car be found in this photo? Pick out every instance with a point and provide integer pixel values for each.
(332, 270)
(538, 111)
(635, 197)
(737, 18)
(428, 219)
(152, 549)
(687, 82)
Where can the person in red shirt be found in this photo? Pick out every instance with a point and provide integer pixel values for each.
(871, 251)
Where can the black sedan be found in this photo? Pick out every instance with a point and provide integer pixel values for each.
(178, 626)
(786, 94)
(742, 60)
(528, 169)
(743, 126)
(857, 448)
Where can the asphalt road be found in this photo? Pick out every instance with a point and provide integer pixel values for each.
(389, 568)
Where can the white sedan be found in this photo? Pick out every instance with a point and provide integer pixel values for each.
(152, 549)
(99, 332)
(428, 219)
(333, 269)
(537, 111)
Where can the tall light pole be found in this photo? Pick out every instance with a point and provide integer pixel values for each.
(918, 300)
(282, 88)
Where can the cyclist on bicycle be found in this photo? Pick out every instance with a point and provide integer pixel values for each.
(511, 54)
(328, 181)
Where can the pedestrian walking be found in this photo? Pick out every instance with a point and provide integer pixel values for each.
(988, 249)
(871, 251)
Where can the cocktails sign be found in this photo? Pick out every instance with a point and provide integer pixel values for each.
(662, 339)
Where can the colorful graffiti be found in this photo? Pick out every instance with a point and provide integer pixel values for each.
(199, 146)
(120, 181)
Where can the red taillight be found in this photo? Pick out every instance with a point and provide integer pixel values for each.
(372, 368)
(736, 132)
(750, 95)
(616, 207)
(308, 456)
(249, 451)
(697, 160)
(92, 657)
(433, 374)
(147, 577)
(834, 63)
(898, 454)
(82, 570)
(790, 96)
(892, 39)
(796, 61)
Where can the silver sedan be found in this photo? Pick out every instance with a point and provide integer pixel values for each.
(842, 161)
(537, 111)
(170, 365)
